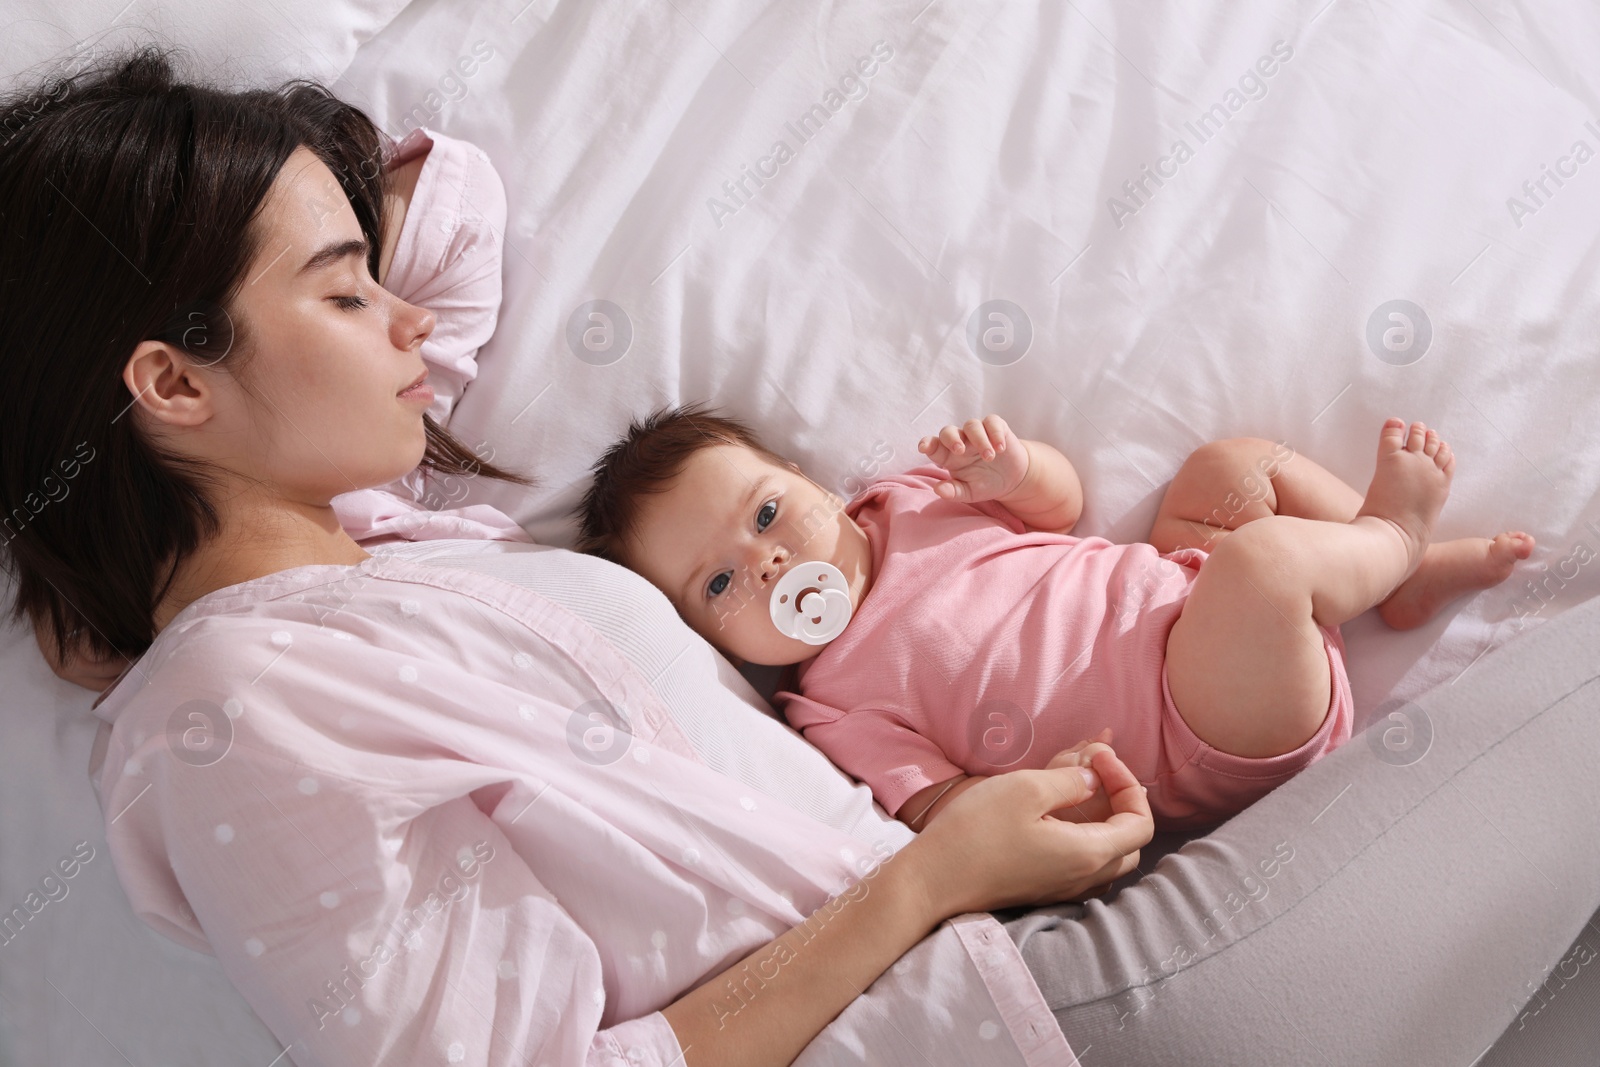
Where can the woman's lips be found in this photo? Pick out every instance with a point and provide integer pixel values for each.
(418, 390)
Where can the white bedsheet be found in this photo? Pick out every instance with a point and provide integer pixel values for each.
(830, 305)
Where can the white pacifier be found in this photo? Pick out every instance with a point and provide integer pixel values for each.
(811, 603)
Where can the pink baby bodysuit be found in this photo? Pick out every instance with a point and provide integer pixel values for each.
(983, 647)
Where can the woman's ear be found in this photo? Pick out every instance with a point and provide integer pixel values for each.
(167, 384)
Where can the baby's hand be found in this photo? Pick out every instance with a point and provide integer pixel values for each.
(985, 459)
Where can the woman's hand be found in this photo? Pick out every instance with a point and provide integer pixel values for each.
(985, 459)
(79, 668)
(1097, 808)
(997, 846)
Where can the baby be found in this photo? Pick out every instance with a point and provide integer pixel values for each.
(957, 629)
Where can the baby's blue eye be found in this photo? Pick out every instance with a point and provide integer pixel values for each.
(764, 518)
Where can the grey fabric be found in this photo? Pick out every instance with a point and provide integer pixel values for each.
(1396, 903)
(1559, 1026)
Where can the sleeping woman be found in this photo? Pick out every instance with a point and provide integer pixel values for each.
(421, 811)
(434, 794)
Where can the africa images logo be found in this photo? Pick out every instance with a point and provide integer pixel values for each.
(1252, 85)
(852, 85)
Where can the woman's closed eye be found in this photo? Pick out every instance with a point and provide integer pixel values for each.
(720, 582)
(350, 303)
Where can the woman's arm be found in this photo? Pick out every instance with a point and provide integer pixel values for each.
(809, 974)
(992, 848)
(402, 183)
(442, 248)
(922, 806)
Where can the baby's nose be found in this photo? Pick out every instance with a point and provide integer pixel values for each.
(771, 566)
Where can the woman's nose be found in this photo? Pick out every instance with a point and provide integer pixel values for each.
(411, 325)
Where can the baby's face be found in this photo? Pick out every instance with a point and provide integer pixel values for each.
(726, 530)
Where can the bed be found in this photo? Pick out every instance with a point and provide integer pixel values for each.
(1128, 228)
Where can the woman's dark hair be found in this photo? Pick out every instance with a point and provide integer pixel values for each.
(126, 202)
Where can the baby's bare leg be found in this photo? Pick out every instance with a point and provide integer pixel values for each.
(1225, 484)
(1245, 661)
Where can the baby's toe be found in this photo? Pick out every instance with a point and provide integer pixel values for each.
(1417, 437)
(1392, 438)
(1511, 546)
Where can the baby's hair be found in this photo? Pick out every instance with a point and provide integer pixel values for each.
(646, 460)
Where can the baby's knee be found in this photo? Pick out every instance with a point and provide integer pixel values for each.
(1225, 483)
(1231, 458)
(1271, 547)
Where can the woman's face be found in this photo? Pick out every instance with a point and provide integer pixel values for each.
(331, 352)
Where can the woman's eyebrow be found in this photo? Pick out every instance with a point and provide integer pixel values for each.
(354, 246)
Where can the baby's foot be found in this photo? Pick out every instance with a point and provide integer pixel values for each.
(1410, 484)
(1449, 569)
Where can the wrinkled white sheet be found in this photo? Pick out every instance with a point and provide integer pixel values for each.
(989, 159)
(830, 305)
